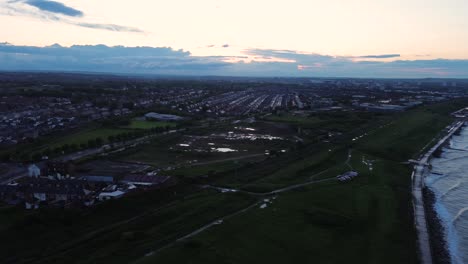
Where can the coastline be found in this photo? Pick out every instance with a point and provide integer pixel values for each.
(426, 221)
(436, 229)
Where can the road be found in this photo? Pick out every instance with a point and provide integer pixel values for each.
(15, 171)
(420, 219)
(282, 190)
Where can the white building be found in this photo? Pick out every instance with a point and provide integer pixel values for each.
(110, 195)
(34, 171)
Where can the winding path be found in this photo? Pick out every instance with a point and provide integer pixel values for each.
(221, 189)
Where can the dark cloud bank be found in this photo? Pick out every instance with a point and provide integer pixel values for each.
(164, 60)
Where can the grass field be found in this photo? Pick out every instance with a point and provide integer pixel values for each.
(406, 136)
(366, 220)
(137, 226)
(358, 222)
(213, 168)
(143, 124)
(283, 170)
(84, 136)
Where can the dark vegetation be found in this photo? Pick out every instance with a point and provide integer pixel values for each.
(366, 220)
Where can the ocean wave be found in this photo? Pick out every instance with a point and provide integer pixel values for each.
(451, 189)
(448, 182)
(452, 174)
(452, 156)
(460, 213)
(451, 236)
(459, 142)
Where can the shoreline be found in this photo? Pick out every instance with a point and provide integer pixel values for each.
(425, 218)
(437, 231)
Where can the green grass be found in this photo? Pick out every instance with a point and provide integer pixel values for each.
(143, 124)
(286, 169)
(84, 136)
(212, 168)
(101, 236)
(367, 220)
(407, 135)
(356, 222)
(302, 170)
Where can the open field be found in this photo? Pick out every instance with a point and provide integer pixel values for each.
(143, 124)
(367, 220)
(206, 146)
(76, 138)
(137, 226)
(406, 136)
(84, 136)
(283, 169)
(364, 221)
(210, 168)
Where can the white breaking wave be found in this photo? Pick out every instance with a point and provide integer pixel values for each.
(455, 186)
(460, 214)
(449, 182)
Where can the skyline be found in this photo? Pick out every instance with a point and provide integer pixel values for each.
(303, 38)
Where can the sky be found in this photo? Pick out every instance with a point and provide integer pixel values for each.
(316, 38)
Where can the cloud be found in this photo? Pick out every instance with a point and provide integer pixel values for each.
(102, 58)
(54, 7)
(254, 62)
(318, 65)
(384, 56)
(110, 27)
(57, 12)
(225, 46)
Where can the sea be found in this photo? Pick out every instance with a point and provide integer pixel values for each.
(448, 179)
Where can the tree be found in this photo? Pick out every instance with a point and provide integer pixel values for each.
(65, 148)
(37, 156)
(47, 152)
(91, 143)
(74, 147)
(99, 141)
(26, 157)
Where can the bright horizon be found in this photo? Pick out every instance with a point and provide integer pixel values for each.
(298, 37)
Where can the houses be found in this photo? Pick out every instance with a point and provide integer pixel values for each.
(56, 168)
(36, 191)
(53, 186)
